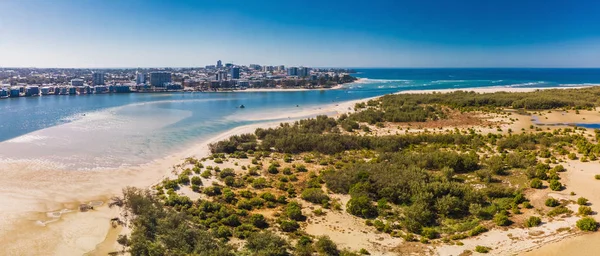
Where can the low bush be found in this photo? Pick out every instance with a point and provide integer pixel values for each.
(582, 201)
(533, 221)
(555, 185)
(584, 210)
(536, 183)
(502, 219)
(482, 249)
(477, 230)
(587, 224)
(551, 202)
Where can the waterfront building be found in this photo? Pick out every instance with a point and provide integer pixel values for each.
(32, 91)
(243, 84)
(303, 72)
(292, 71)
(219, 64)
(122, 88)
(15, 92)
(160, 78)
(98, 78)
(3, 93)
(77, 82)
(72, 91)
(140, 78)
(63, 91)
(100, 89)
(235, 73)
(45, 90)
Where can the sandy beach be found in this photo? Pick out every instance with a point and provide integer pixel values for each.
(40, 201)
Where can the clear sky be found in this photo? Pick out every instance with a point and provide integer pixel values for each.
(323, 33)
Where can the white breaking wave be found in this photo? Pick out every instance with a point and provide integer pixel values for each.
(528, 84)
(373, 81)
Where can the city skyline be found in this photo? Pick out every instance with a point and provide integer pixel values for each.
(130, 34)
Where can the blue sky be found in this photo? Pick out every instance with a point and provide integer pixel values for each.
(375, 33)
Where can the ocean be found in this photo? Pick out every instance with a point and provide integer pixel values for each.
(110, 131)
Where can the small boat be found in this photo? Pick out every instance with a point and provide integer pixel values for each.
(242, 106)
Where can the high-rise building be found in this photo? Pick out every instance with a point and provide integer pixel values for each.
(268, 68)
(221, 76)
(140, 78)
(160, 78)
(254, 66)
(281, 68)
(219, 64)
(303, 72)
(97, 78)
(228, 65)
(292, 71)
(235, 73)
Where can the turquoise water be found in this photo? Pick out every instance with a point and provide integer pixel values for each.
(97, 131)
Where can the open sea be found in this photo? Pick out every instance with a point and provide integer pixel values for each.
(109, 131)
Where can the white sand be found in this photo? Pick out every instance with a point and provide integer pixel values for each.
(580, 179)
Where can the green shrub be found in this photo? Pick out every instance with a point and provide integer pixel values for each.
(477, 230)
(482, 249)
(325, 246)
(429, 233)
(364, 251)
(555, 185)
(206, 174)
(273, 169)
(527, 205)
(558, 211)
(536, 183)
(266, 243)
(218, 160)
(501, 219)
(227, 172)
(582, 201)
(196, 181)
(584, 210)
(315, 195)
(587, 224)
(361, 206)
(533, 221)
(597, 176)
(551, 202)
(293, 210)
(301, 168)
(289, 225)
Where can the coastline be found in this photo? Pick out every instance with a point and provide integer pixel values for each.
(46, 190)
